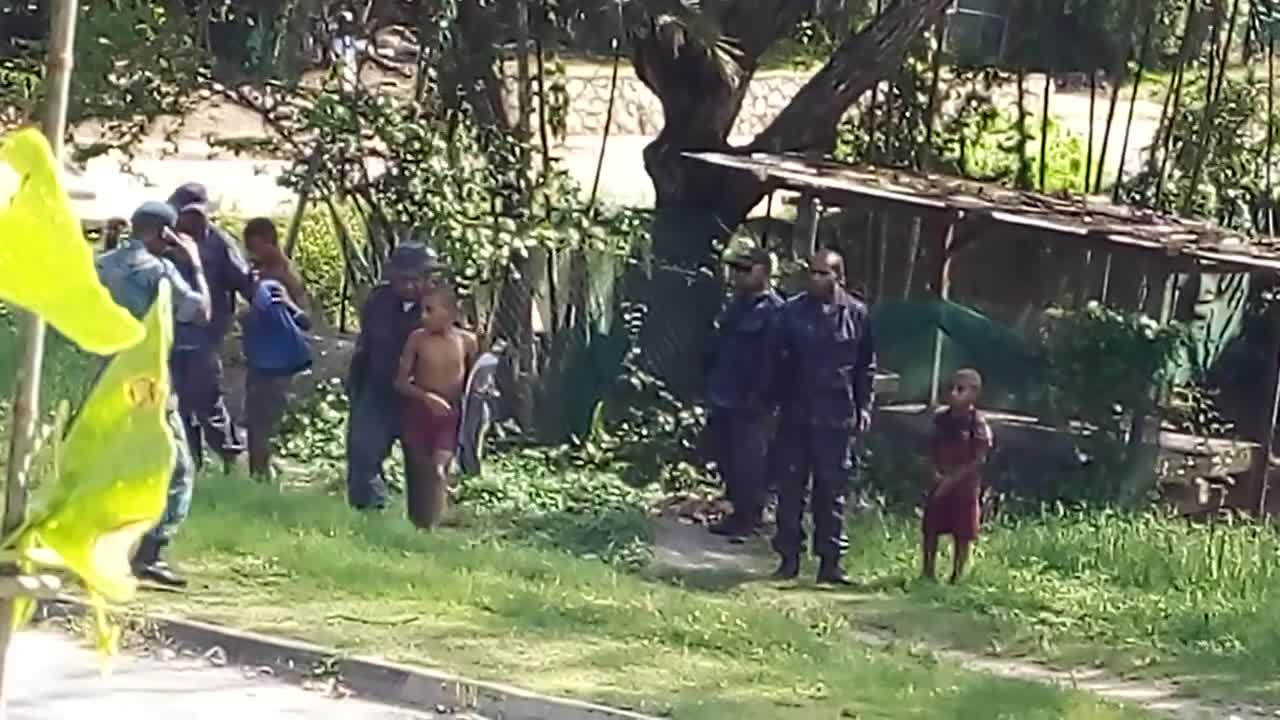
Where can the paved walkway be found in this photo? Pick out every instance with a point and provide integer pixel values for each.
(53, 678)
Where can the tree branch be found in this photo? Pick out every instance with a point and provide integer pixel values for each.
(810, 119)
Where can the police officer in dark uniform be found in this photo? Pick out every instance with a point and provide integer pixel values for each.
(738, 378)
(828, 367)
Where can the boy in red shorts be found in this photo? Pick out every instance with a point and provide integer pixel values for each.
(959, 445)
(433, 375)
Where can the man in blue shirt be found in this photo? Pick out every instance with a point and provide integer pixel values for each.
(197, 350)
(739, 373)
(828, 365)
(132, 273)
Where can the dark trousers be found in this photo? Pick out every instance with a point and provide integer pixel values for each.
(740, 448)
(197, 375)
(817, 466)
(373, 426)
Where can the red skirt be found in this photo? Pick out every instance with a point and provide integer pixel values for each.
(957, 513)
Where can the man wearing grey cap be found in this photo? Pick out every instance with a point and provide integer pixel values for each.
(133, 273)
(738, 384)
(390, 314)
(197, 362)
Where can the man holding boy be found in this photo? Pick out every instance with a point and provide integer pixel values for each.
(828, 367)
(390, 314)
(741, 412)
(133, 273)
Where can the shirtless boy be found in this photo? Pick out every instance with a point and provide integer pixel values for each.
(433, 374)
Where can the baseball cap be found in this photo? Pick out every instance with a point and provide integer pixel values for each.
(154, 213)
(188, 194)
(745, 253)
(198, 208)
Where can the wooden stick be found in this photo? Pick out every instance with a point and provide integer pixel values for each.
(1271, 131)
(26, 396)
(304, 197)
(608, 125)
(1088, 151)
(1133, 104)
(1044, 128)
(942, 289)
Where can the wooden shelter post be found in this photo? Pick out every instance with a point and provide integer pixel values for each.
(941, 288)
(804, 241)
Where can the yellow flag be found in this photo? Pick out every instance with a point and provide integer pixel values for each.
(114, 470)
(46, 266)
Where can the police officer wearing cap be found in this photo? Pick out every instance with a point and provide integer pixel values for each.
(390, 314)
(132, 273)
(738, 379)
(828, 359)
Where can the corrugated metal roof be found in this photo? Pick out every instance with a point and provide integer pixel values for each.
(1084, 218)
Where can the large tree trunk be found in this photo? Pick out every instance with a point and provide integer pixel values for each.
(698, 203)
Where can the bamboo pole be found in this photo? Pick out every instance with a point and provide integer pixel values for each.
(608, 124)
(1212, 91)
(1271, 132)
(1133, 104)
(931, 109)
(26, 397)
(1044, 128)
(1021, 179)
(1116, 80)
(1093, 104)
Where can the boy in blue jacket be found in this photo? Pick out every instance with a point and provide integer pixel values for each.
(275, 342)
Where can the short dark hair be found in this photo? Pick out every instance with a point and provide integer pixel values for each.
(262, 227)
(833, 258)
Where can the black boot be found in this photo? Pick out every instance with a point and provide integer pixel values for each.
(830, 573)
(788, 569)
(147, 565)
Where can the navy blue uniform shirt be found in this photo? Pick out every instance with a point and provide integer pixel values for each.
(739, 370)
(828, 361)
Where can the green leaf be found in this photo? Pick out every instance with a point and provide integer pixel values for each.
(116, 464)
(45, 264)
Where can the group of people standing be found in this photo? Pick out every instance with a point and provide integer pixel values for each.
(175, 242)
(789, 387)
(789, 384)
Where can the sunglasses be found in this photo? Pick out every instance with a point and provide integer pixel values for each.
(821, 273)
(740, 267)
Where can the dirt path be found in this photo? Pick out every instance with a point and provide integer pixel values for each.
(688, 553)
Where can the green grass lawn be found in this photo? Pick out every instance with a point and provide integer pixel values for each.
(1142, 594)
(532, 603)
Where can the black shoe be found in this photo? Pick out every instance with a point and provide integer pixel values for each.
(160, 573)
(829, 573)
(788, 569)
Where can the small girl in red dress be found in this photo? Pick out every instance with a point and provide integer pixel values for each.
(960, 443)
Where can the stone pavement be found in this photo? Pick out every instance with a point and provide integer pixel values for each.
(53, 678)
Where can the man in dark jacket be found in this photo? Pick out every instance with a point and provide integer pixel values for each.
(390, 314)
(828, 367)
(197, 353)
(738, 379)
